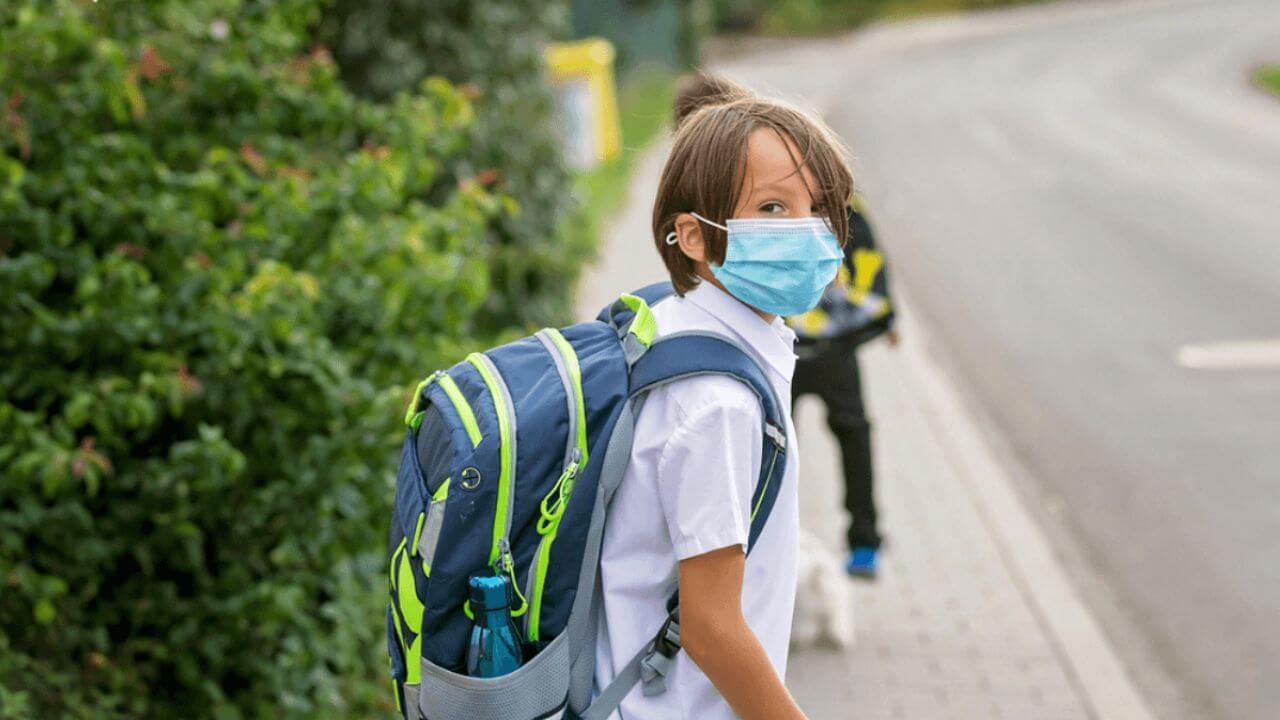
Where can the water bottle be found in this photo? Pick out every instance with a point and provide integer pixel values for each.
(494, 648)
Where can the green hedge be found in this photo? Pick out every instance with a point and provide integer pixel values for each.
(492, 49)
(221, 273)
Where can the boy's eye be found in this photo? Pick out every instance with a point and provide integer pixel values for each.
(773, 208)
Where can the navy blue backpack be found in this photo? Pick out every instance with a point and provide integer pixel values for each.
(510, 460)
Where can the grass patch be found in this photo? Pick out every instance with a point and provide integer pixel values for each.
(1268, 78)
(821, 17)
(644, 108)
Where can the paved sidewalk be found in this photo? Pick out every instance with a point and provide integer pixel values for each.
(948, 631)
(972, 617)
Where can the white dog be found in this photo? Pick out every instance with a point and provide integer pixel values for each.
(824, 598)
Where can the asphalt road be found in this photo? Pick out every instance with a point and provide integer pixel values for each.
(1070, 194)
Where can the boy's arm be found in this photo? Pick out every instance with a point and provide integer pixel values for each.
(715, 634)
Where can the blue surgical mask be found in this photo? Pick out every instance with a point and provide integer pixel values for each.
(778, 265)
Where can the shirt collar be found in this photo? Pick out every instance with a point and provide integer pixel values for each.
(773, 342)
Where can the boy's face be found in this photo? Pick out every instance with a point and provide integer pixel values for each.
(771, 188)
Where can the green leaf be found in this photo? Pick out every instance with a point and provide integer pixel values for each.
(44, 612)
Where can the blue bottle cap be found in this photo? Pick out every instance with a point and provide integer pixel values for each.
(489, 592)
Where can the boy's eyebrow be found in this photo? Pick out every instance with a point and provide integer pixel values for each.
(765, 186)
(797, 170)
(755, 189)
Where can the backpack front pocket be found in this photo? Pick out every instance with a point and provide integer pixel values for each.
(536, 690)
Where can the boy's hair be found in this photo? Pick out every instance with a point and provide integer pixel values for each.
(700, 90)
(705, 170)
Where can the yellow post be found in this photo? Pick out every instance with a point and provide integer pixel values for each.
(582, 73)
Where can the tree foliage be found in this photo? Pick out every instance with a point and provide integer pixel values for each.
(221, 272)
(494, 51)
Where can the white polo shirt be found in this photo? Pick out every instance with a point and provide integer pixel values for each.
(686, 492)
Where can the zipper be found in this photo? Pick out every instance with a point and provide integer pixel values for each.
(505, 409)
(572, 391)
(551, 510)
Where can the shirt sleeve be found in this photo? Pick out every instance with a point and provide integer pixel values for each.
(707, 473)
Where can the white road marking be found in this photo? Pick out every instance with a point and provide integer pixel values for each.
(1231, 355)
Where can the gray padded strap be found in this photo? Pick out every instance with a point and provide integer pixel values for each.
(584, 616)
(613, 695)
(648, 667)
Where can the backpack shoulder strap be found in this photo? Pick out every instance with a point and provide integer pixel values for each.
(672, 358)
(690, 354)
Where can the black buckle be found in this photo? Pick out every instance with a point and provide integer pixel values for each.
(667, 643)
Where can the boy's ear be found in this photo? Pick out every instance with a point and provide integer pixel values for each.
(689, 233)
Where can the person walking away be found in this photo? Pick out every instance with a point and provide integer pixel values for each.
(854, 310)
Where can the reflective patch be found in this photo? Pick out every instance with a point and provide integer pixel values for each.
(431, 532)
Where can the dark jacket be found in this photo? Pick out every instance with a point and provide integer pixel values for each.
(856, 307)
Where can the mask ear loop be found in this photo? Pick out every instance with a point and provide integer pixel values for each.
(712, 224)
(671, 236)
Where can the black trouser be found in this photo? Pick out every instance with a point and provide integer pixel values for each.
(833, 376)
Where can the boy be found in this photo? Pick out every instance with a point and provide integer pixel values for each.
(734, 186)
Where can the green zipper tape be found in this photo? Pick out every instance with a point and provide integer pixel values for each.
(504, 436)
(575, 374)
(463, 407)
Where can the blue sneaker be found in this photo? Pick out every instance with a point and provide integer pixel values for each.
(863, 562)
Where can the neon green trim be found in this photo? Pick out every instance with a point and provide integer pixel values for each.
(464, 409)
(644, 326)
(413, 661)
(416, 422)
(541, 563)
(417, 397)
(504, 435)
(417, 534)
(395, 688)
(411, 607)
(511, 572)
(407, 592)
(391, 570)
(575, 374)
(441, 492)
(558, 496)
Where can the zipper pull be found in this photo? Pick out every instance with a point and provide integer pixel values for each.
(509, 566)
(504, 554)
